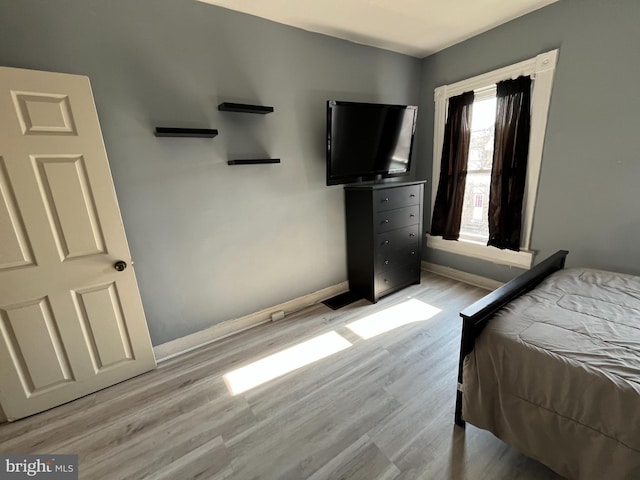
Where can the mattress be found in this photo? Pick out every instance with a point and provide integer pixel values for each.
(556, 374)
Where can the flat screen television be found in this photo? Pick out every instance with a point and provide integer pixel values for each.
(368, 141)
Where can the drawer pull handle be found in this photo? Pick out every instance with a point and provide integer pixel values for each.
(411, 215)
(413, 253)
(386, 281)
(386, 220)
(386, 262)
(412, 195)
(412, 234)
(385, 199)
(386, 242)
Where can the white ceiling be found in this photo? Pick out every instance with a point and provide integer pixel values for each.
(414, 27)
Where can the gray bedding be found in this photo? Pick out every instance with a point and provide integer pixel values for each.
(556, 374)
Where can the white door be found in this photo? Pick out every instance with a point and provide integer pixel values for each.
(70, 322)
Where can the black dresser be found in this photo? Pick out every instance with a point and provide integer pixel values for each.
(384, 237)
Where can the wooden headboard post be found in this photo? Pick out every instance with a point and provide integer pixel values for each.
(476, 316)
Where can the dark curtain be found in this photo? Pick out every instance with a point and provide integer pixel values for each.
(447, 210)
(510, 152)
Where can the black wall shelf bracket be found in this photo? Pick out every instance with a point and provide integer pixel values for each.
(244, 108)
(253, 161)
(185, 132)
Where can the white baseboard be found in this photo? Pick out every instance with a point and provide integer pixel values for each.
(224, 329)
(459, 275)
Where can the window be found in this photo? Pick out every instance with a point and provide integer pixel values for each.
(474, 228)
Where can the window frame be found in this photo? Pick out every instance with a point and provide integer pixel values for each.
(541, 69)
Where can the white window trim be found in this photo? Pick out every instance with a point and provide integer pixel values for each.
(541, 69)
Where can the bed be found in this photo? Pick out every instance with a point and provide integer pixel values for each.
(550, 363)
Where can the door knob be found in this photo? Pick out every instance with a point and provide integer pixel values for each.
(120, 265)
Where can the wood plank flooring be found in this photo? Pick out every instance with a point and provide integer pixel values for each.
(380, 409)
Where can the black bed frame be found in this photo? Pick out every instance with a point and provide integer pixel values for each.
(476, 316)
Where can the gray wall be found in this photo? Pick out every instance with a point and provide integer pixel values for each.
(588, 192)
(212, 242)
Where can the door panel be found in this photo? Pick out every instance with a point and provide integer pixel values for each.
(43, 114)
(68, 200)
(35, 345)
(15, 251)
(106, 332)
(70, 324)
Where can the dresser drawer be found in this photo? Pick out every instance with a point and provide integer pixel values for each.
(398, 218)
(396, 239)
(392, 198)
(407, 255)
(395, 278)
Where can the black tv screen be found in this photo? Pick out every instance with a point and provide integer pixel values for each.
(368, 141)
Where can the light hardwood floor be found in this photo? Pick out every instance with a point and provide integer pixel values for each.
(380, 409)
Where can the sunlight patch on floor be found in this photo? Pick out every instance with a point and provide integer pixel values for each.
(411, 311)
(285, 361)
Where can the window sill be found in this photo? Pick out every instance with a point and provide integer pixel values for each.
(521, 259)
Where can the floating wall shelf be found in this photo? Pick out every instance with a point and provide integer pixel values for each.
(253, 161)
(244, 108)
(185, 132)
